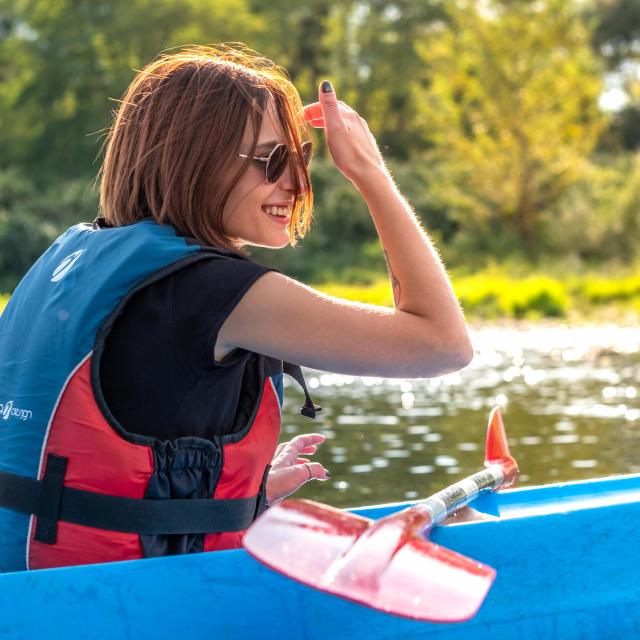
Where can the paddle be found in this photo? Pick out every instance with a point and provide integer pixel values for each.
(388, 564)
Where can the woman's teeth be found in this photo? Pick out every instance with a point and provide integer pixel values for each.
(281, 212)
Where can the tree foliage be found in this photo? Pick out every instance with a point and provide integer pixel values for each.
(66, 62)
(617, 31)
(616, 39)
(486, 111)
(512, 110)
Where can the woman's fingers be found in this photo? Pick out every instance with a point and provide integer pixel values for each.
(315, 471)
(311, 471)
(285, 480)
(287, 453)
(304, 441)
(331, 110)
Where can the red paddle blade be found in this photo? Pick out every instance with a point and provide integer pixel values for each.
(497, 449)
(313, 115)
(382, 564)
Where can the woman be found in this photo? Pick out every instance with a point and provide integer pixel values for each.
(151, 379)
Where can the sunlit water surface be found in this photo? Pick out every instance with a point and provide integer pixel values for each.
(570, 398)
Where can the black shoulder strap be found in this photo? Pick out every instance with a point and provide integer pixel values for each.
(309, 409)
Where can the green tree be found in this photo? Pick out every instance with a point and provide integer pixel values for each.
(512, 108)
(24, 234)
(379, 70)
(616, 39)
(617, 34)
(64, 62)
(295, 37)
(367, 48)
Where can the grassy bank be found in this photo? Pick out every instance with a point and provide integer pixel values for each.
(494, 294)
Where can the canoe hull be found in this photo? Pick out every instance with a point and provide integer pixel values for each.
(567, 559)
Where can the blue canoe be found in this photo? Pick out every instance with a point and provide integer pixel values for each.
(567, 558)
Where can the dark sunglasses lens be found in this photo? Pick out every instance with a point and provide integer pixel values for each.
(277, 162)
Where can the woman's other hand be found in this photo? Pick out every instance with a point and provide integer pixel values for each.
(352, 146)
(290, 469)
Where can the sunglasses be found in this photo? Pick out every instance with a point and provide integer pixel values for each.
(278, 158)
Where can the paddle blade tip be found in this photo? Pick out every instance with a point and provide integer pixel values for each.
(497, 448)
(313, 115)
(422, 581)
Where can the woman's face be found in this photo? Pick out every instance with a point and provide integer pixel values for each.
(249, 215)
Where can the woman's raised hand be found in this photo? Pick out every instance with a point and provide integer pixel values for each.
(290, 469)
(351, 145)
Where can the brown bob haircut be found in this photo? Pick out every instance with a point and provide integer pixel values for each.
(178, 130)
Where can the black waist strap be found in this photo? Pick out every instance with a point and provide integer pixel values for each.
(129, 515)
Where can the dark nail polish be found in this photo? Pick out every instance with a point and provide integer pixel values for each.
(326, 86)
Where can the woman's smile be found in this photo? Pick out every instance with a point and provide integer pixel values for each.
(279, 214)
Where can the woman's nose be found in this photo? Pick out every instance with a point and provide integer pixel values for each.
(287, 181)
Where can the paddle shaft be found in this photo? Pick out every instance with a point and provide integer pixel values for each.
(445, 503)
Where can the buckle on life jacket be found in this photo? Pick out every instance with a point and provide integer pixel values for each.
(50, 499)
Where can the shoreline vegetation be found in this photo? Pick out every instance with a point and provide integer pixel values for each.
(493, 294)
(497, 294)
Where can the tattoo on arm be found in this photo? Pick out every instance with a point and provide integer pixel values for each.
(395, 284)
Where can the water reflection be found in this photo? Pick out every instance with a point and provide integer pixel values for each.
(570, 399)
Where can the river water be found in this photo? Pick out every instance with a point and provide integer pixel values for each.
(570, 398)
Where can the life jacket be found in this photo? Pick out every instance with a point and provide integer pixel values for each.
(75, 486)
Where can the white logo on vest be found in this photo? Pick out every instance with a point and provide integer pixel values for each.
(63, 268)
(7, 410)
